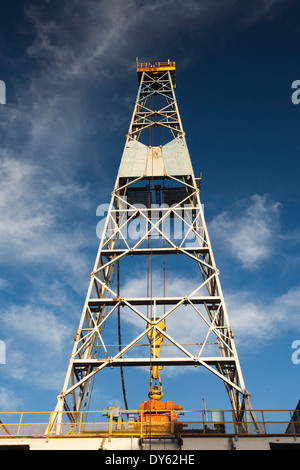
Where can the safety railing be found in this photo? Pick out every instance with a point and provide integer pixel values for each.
(142, 65)
(127, 423)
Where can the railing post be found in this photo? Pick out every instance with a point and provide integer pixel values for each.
(21, 417)
(50, 425)
(263, 421)
(59, 423)
(110, 422)
(292, 423)
(234, 421)
(80, 422)
(141, 429)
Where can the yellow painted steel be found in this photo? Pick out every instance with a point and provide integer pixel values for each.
(156, 68)
(156, 339)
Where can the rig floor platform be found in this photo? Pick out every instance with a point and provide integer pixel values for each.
(122, 430)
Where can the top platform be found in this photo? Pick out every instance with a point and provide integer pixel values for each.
(157, 68)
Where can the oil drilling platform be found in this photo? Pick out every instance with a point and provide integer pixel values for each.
(154, 226)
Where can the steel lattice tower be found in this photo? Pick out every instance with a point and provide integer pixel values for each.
(155, 189)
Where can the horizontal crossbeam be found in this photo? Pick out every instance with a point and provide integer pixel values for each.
(156, 251)
(154, 300)
(161, 361)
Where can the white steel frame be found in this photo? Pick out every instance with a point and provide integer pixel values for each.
(103, 300)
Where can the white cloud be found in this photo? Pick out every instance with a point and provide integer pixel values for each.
(249, 230)
(255, 319)
(262, 9)
(8, 400)
(33, 206)
(36, 341)
(91, 38)
(4, 284)
(22, 212)
(37, 326)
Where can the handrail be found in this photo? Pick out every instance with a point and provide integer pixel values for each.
(128, 423)
(155, 64)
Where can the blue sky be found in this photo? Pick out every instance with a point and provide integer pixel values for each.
(69, 70)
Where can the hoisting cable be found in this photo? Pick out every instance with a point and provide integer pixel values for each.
(149, 275)
(164, 256)
(120, 339)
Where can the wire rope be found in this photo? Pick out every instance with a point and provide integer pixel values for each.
(120, 338)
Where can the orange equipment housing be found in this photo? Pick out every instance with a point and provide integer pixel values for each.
(157, 412)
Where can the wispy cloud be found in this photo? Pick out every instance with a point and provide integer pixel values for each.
(249, 230)
(43, 254)
(9, 401)
(33, 207)
(261, 9)
(37, 326)
(256, 320)
(36, 344)
(92, 38)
